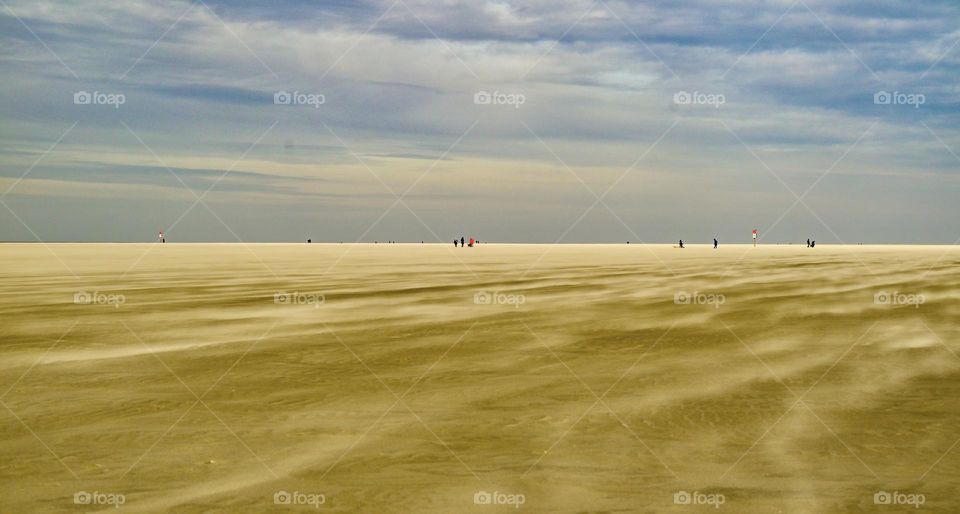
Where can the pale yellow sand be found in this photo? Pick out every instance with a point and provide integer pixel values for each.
(581, 384)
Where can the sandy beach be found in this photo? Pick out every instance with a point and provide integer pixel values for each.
(423, 378)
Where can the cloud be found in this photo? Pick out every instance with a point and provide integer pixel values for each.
(398, 81)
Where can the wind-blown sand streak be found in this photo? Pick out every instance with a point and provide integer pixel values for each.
(791, 379)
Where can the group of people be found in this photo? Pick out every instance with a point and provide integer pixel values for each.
(463, 242)
(716, 244)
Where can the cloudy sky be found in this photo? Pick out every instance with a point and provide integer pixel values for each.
(533, 121)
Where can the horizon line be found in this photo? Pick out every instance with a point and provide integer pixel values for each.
(624, 243)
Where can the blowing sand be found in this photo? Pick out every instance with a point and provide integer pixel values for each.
(417, 378)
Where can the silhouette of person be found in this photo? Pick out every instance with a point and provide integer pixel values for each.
(681, 243)
(455, 242)
(808, 242)
(462, 241)
(715, 243)
(813, 244)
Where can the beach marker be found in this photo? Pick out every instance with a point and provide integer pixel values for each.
(754, 237)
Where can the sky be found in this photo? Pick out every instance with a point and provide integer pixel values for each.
(543, 121)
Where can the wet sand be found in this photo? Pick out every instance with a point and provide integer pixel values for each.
(410, 378)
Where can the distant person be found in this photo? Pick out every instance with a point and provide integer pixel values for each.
(715, 243)
(681, 243)
(309, 241)
(455, 243)
(808, 242)
(471, 242)
(813, 244)
(461, 242)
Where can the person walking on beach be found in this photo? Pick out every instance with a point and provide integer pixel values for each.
(808, 242)
(455, 243)
(681, 243)
(715, 243)
(461, 242)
